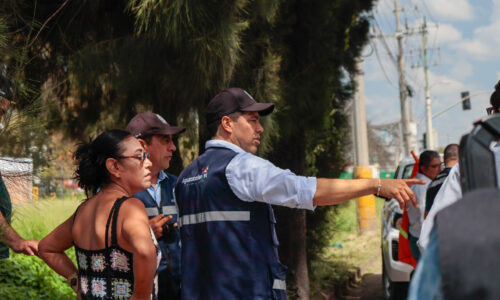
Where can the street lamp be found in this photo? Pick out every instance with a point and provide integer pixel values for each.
(460, 101)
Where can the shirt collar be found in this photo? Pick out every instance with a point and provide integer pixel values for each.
(161, 176)
(223, 144)
(422, 176)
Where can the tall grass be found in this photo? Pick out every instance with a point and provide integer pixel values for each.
(36, 220)
(26, 277)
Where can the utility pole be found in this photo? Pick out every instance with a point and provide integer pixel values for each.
(359, 110)
(428, 115)
(405, 113)
(366, 211)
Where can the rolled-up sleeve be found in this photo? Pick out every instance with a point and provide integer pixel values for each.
(252, 178)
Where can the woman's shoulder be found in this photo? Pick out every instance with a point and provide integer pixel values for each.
(133, 206)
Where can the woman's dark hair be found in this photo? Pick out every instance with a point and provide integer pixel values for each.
(495, 97)
(90, 158)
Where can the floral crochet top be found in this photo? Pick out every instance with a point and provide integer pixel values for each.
(108, 273)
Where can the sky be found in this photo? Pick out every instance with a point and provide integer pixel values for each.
(463, 54)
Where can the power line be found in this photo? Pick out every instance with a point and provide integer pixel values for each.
(382, 66)
(428, 12)
(384, 42)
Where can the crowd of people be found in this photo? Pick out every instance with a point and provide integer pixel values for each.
(455, 238)
(143, 233)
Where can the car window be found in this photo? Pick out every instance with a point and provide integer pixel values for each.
(396, 173)
(407, 171)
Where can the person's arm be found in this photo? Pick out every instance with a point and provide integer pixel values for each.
(136, 231)
(335, 191)
(252, 178)
(51, 249)
(14, 241)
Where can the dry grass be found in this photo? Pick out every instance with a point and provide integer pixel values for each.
(359, 251)
(348, 253)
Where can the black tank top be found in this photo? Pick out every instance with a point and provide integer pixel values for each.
(108, 273)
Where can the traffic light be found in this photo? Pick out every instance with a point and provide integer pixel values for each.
(465, 100)
(424, 142)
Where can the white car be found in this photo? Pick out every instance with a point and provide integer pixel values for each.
(395, 274)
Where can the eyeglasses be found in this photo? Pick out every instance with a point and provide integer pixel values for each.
(142, 157)
(490, 110)
(436, 166)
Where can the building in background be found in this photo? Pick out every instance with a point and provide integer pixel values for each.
(17, 174)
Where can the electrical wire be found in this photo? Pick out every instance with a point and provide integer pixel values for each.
(384, 41)
(374, 45)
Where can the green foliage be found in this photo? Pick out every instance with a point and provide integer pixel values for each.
(94, 64)
(27, 277)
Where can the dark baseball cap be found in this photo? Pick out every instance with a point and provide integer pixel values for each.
(148, 123)
(234, 100)
(5, 88)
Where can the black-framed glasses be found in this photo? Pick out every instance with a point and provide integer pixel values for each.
(141, 157)
(490, 110)
(440, 165)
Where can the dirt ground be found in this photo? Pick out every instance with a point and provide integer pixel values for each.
(369, 287)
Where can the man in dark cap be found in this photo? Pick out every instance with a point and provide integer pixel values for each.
(229, 243)
(8, 236)
(155, 135)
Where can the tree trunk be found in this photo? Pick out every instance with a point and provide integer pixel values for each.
(293, 252)
(291, 223)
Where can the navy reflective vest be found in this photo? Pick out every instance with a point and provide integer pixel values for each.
(171, 252)
(229, 246)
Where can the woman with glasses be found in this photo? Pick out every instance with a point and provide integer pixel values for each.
(115, 249)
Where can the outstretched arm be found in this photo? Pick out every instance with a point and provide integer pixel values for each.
(334, 191)
(14, 241)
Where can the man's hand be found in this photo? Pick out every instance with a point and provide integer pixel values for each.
(28, 247)
(156, 224)
(399, 190)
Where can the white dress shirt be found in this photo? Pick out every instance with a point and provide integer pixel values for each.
(252, 178)
(449, 193)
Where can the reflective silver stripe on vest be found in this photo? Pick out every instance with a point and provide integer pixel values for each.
(211, 216)
(279, 284)
(167, 210)
(152, 211)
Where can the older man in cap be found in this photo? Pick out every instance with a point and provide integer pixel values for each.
(155, 135)
(8, 236)
(229, 243)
